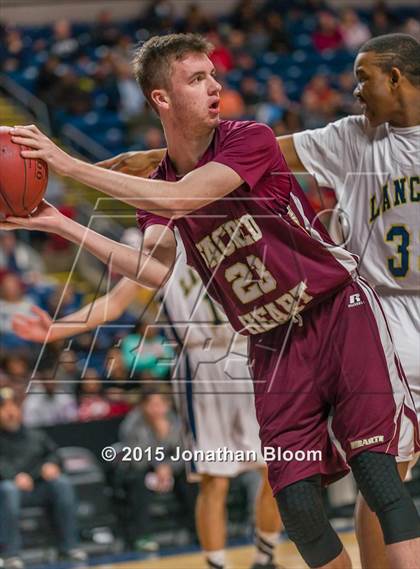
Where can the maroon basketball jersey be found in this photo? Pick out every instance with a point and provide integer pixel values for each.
(261, 251)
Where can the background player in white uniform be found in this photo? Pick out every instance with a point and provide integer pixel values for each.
(372, 161)
(217, 368)
(214, 393)
(373, 164)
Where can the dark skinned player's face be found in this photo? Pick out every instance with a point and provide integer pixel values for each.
(375, 89)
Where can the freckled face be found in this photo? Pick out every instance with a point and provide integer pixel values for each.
(194, 93)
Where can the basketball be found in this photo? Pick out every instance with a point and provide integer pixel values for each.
(23, 181)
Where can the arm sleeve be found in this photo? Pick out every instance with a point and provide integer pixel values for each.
(249, 149)
(330, 153)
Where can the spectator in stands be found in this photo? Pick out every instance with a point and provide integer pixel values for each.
(153, 424)
(277, 102)
(320, 102)
(131, 98)
(232, 105)
(159, 16)
(348, 105)
(105, 31)
(124, 47)
(381, 20)
(47, 403)
(68, 366)
(195, 20)
(244, 15)
(84, 67)
(221, 56)
(106, 81)
(69, 96)
(12, 300)
(146, 350)
(12, 51)
(251, 95)
(354, 32)
(63, 44)
(257, 38)
(63, 300)
(18, 257)
(31, 475)
(238, 43)
(16, 366)
(93, 405)
(279, 38)
(121, 385)
(327, 36)
(16, 370)
(245, 62)
(290, 123)
(48, 80)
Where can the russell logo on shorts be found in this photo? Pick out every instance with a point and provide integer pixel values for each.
(355, 300)
(366, 442)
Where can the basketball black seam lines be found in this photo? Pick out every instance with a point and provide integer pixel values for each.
(6, 201)
(40, 193)
(24, 187)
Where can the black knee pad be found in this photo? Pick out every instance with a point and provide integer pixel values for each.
(306, 522)
(385, 493)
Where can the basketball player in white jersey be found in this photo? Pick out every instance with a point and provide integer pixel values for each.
(372, 161)
(214, 394)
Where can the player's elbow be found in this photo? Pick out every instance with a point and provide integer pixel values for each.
(175, 209)
(183, 202)
(180, 208)
(153, 279)
(179, 213)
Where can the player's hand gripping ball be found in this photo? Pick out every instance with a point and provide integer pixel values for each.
(23, 181)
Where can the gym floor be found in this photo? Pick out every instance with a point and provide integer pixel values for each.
(237, 558)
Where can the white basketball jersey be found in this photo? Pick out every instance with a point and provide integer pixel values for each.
(375, 173)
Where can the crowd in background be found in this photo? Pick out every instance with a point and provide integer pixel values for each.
(286, 64)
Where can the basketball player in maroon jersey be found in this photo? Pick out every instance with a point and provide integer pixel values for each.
(318, 336)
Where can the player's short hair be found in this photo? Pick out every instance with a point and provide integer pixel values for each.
(152, 61)
(396, 50)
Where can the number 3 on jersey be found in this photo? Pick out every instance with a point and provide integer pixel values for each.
(399, 264)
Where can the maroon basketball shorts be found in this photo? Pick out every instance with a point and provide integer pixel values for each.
(337, 358)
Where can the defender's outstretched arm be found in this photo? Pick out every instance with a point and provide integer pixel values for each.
(40, 327)
(142, 163)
